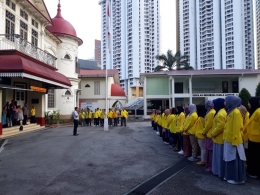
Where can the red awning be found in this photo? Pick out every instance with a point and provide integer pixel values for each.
(18, 64)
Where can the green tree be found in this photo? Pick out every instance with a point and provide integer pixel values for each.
(244, 95)
(173, 62)
(257, 90)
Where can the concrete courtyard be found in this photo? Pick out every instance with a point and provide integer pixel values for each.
(52, 161)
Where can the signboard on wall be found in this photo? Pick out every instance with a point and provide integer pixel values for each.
(91, 105)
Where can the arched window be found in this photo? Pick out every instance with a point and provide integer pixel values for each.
(67, 92)
(67, 57)
(87, 85)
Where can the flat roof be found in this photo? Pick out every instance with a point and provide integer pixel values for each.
(203, 72)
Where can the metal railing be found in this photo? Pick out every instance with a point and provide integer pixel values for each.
(15, 42)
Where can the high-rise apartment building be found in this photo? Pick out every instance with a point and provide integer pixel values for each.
(97, 51)
(217, 34)
(135, 31)
(257, 32)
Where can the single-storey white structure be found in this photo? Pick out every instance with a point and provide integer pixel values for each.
(93, 89)
(181, 88)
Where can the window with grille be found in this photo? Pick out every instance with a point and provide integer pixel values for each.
(34, 23)
(23, 14)
(10, 4)
(9, 25)
(23, 30)
(96, 87)
(51, 98)
(34, 38)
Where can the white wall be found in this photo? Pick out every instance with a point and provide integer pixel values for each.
(250, 83)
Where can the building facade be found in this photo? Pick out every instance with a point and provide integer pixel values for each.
(93, 90)
(97, 51)
(256, 6)
(217, 34)
(135, 40)
(181, 88)
(38, 58)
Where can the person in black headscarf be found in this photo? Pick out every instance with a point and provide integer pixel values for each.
(253, 130)
(218, 164)
(201, 111)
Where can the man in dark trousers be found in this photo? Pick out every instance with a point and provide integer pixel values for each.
(75, 115)
(25, 114)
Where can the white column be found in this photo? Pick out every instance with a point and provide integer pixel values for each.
(173, 89)
(145, 100)
(190, 89)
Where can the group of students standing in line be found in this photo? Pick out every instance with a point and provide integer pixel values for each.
(99, 115)
(221, 135)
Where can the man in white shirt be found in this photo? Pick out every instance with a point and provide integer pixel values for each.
(75, 115)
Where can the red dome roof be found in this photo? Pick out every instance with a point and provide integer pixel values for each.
(62, 26)
(116, 90)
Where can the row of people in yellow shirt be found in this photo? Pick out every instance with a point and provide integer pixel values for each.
(98, 113)
(221, 134)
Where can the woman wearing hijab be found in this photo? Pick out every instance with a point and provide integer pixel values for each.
(234, 154)
(207, 132)
(253, 130)
(186, 138)
(180, 120)
(245, 115)
(218, 164)
(189, 128)
(201, 111)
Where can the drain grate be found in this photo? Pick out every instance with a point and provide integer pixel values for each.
(162, 177)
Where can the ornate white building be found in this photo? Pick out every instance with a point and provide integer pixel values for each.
(38, 58)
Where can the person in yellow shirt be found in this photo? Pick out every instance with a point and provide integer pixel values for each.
(102, 118)
(186, 138)
(89, 116)
(81, 117)
(245, 115)
(171, 127)
(189, 128)
(154, 120)
(124, 116)
(199, 125)
(218, 164)
(158, 122)
(33, 114)
(110, 117)
(207, 133)
(115, 116)
(96, 115)
(234, 155)
(152, 117)
(253, 129)
(180, 120)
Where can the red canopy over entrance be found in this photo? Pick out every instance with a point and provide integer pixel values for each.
(17, 63)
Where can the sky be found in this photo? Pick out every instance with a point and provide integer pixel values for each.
(85, 16)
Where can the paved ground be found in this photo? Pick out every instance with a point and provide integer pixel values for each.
(97, 162)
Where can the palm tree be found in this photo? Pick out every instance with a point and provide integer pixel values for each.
(168, 61)
(173, 62)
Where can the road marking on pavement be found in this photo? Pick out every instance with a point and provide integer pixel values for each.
(148, 186)
(2, 147)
